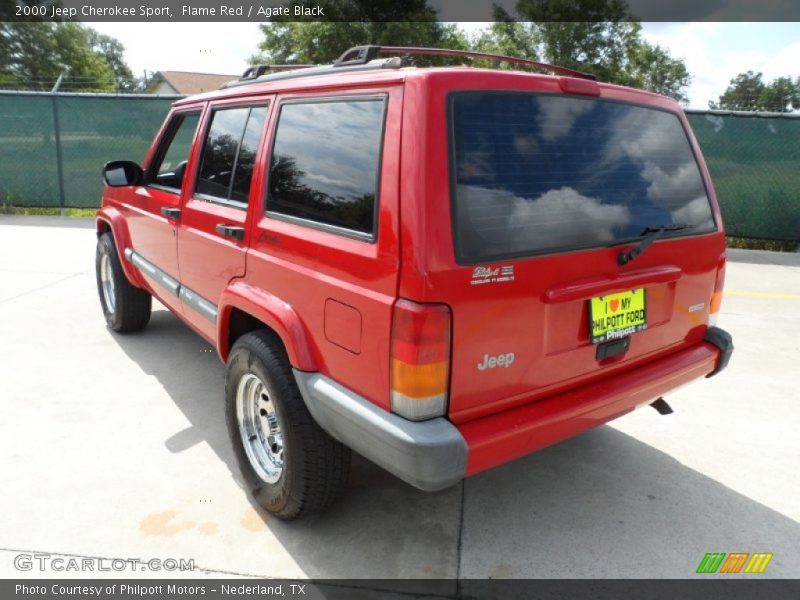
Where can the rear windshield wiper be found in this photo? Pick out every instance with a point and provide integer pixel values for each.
(651, 234)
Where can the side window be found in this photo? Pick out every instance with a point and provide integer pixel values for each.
(229, 153)
(325, 163)
(173, 154)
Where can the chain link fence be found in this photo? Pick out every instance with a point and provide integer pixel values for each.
(53, 146)
(754, 159)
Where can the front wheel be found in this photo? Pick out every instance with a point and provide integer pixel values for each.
(125, 307)
(290, 464)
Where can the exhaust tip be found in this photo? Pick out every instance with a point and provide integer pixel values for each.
(662, 407)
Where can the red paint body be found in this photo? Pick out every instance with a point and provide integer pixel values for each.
(293, 278)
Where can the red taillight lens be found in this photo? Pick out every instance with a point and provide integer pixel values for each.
(420, 359)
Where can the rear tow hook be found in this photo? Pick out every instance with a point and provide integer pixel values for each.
(662, 407)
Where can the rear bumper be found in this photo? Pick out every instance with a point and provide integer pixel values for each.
(722, 340)
(430, 455)
(435, 454)
(508, 435)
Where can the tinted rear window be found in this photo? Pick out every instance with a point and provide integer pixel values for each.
(538, 173)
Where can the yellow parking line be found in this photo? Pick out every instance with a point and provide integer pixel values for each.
(750, 294)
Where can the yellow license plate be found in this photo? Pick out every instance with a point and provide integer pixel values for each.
(616, 316)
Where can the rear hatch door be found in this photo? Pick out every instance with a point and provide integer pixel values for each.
(547, 190)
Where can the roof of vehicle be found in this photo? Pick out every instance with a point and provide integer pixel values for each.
(387, 76)
(360, 66)
(344, 79)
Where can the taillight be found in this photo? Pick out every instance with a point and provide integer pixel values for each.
(716, 296)
(420, 359)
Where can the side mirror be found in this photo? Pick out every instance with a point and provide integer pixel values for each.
(174, 178)
(121, 173)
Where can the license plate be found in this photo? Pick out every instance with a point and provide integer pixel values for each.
(617, 315)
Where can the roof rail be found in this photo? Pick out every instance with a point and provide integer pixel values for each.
(310, 70)
(257, 71)
(359, 55)
(364, 58)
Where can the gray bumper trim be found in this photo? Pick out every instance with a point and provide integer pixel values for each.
(430, 455)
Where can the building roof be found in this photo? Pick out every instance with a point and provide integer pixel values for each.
(184, 82)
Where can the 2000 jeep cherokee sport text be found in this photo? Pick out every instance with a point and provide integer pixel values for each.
(442, 269)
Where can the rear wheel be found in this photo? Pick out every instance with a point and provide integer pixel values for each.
(291, 466)
(125, 307)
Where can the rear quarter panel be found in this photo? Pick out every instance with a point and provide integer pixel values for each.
(317, 272)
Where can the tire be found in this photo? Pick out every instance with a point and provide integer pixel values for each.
(302, 470)
(125, 307)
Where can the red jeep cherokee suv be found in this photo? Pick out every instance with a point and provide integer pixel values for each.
(442, 269)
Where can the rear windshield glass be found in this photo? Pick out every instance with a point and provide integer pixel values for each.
(539, 173)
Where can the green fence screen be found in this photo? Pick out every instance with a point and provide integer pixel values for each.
(755, 166)
(92, 129)
(754, 159)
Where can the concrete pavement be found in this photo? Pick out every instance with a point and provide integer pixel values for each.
(115, 446)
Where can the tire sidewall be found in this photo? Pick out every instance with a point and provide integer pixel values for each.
(106, 247)
(272, 496)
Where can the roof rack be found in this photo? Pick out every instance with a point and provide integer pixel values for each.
(308, 71)
(363, 58)
(363, 54)
(257, 71)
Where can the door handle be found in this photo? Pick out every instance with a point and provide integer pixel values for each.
(230, 231)
(170, 212)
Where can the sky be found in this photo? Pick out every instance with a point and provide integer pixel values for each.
(714, 52)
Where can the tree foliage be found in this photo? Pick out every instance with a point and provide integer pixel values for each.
(114, 53)
(595, 36)
(381, 22)
(747, 91)
(34, 54)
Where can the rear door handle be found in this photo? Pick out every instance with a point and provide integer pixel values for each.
(170, 212)
(230, 231)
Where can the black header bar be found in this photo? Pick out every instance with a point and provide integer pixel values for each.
(266, 11)
(709, 588)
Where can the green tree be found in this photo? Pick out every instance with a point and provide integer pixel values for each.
(34, 55)
(360, 22)
(782, 95)
(510, 38)
(24, 52)
(743, 93)
(114, 53)
(652, 68)
(595, 36)
(748, 91)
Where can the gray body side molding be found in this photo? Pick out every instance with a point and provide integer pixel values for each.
(149, 269)
(173, 286)
(430, 455)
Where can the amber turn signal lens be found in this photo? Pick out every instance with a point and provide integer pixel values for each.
(420, 368)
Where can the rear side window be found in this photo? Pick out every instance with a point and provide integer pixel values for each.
(537, 173)
(229, 153)
(325, 164)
